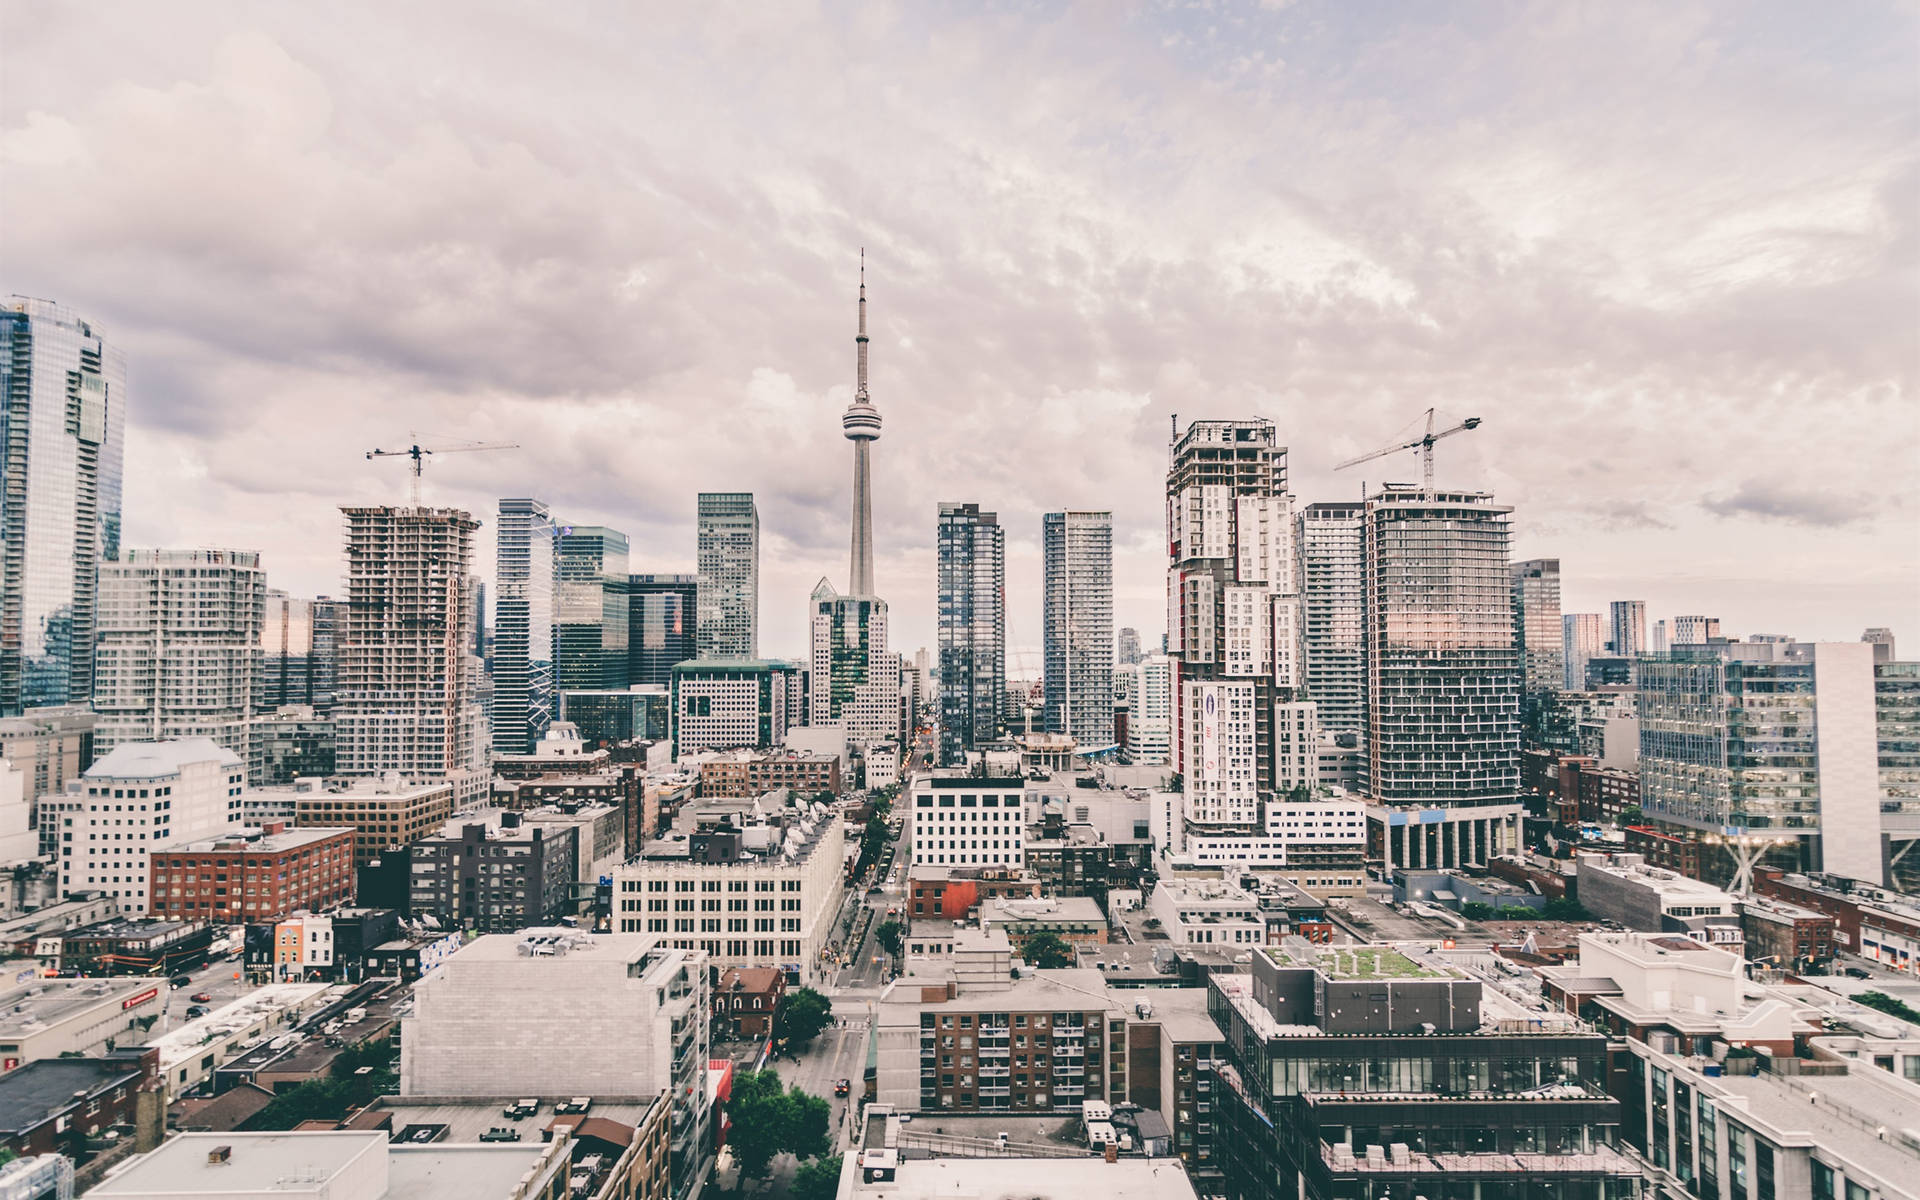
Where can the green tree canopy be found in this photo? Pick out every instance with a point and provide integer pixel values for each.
(892, 937)
(1048, 951)
(769, 1121)
(817, 1180)
(803, 1014)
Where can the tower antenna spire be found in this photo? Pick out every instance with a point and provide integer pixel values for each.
(861, 424)
(860, 339)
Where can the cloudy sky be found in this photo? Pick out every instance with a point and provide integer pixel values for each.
(1667, 253)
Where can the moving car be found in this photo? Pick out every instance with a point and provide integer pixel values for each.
(203, 997)
(181, 981)
(195, 1010)
(842, 1087)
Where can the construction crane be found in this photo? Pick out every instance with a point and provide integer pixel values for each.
(1423, 445)
(418, 454)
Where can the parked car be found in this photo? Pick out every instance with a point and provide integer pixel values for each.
(1859, 973)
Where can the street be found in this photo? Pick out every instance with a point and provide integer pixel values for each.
(223, 981)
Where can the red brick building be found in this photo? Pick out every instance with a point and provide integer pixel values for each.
(748, 998)
(927, 887)
(749, 775)
(1681, 855)
(262, 877)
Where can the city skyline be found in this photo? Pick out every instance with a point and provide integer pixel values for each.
(1745, 274)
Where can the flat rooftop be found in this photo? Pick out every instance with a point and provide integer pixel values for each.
(1839, 1113)
(580, 945)
(1070, 989)
(447, 1172)
(1080, 909)
(33, 1007)
(1030, 1179)
(28, 1094)
(265, 843)
(1359, 962)
(184, 1043)
(466, 1119)
(259, 1163)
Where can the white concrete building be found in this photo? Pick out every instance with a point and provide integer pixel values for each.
(1150, 724)
(18, 841)
(1316, 844)
(749, 883)
(1221, 753)
(46, 1018)
(553, 1013)
(135, 798)
(1207, 912)
(961, 820)
(189, 1053)
(179, 647)
(329, 1164)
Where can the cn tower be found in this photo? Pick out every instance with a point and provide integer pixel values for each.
(861, 422)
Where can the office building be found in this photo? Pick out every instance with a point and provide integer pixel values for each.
(1077, 621)
(65, 391)
(1536, 624)
(1365, 1072)
(251, 874)
(854, 680)
(662, 626)
(1581, 638)
(179, 647)
(1624, 889)
(891, 1167)
(385, 814)
(1126, 647)
(971, 562)
(728, 554)
(1896, 695)
(748, 882)
(590, 608)
(967, 820)
(72, 1018)
(291, 744)
(523, 641)
(1774, 761)
(1627, 628)
(48, 748)
(296, 653)
(1882, 642)
(406, 695)
(1443, 679)
(1332, 573)
(1695, 630)
(137, 798)
(1662, 640)
(727, 704)
(493, 872)
(609, 718)
(749, 773)
(1150, 719)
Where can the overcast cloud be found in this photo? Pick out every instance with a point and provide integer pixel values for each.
(1667, 253)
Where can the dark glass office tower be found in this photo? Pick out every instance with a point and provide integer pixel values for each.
(972, 584)
(663, 625)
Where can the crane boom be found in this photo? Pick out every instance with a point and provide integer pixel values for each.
(419, 453)
(1423, 445)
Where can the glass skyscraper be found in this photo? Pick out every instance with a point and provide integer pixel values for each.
(1443, 678)
(63, 415)
(972, 586)
(662, 625)
(523, 692)
(1077, 616)
(590, 608)
(729, 585)
(1536, 624)
(297, 655)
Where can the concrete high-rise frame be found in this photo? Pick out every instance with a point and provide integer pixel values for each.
(63, 399)
(1536, 624)
(406, 697)
(971, 557)
(524, 702)
(1443, 679)
(1077, 618)
(728, 558)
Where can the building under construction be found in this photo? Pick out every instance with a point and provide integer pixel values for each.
(408, 678)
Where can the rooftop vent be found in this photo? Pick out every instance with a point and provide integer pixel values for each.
(220, 1154)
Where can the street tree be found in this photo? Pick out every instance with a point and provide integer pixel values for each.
(892, 936)
(817, 1180)
(769, 1121)
(803, 1014)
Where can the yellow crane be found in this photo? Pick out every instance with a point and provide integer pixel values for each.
(419, 453)
(1423, 445)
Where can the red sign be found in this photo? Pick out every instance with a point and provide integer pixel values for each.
(139, 998)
